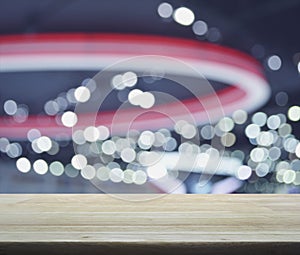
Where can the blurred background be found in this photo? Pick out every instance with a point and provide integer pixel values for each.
(260, 147)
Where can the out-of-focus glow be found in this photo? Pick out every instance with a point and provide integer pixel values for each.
(265, 138)
(44, 143)
(116, 175)
(14, 150)
(128, 155)
(79, 161)
(281, 98)
(228, 139)
(109, 147)
(207, 132)
(165, 10)
(200, 27)
(239, 116)
(134, 97)
(103, 173)
(3, 144)
(103, 132)
(69, 119)
(157, 171)
(252, 131)
(147, 101)
(23, 165)
(71, 171)
(56, 168)
(259, 118)
(273, 122)
(297, 150)
(289, 176)
(82, 94)
(51, 107)
(262, 169)
(294, 113)
(91, 134)
(10, 107)
(259, 154)
(129, 79)
(139, 177)
(298, 67)
(274, 62)
(226, 124)
(33, 134)
(188, 131)
(128, 176)
(184, 16)
(243, 172)
(40, 166)
(78, 137)
(88, 172)
(146, 139)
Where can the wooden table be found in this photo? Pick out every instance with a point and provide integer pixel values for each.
(170, 224)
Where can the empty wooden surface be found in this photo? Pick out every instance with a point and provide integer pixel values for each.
(177, 224)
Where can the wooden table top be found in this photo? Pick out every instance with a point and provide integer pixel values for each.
(181, 224)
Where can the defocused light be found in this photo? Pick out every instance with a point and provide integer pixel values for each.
(10, 107)
(146, 140)
(214, 34)
(274, 62)
(228, 139)
(129, 79)
(297, 150)
(259, 118)
(199, 27)
(244, 172)
(281, 98)
(165, 10)
(207, 132)
(262, 169)
(51, 107)
(188, 131)
(273, 122)
(139, 177)
(170, 144)
(103, 132)
(265, 138)
(14, 150)
(23, 165)
(298, 67)
(240, 116)
(40, 166)
(109, 147)
(274, 153)
(128, 176)
(147, 101)
(56, 168)
(157, 171)
(226, 124)
(21, 114)
(128, 155)
(134, 97)
(116, 175)
(78, 137)
(3, 144)
(82, 94)
(33, 134)
(259, 154)
(252, 130)
(69, 119)
(91, 134)
(71, 171)
(88, 172)
(294, 113)
(289, 176)
(44, 143)
(184, 16)
(79, 161)
(103, 173)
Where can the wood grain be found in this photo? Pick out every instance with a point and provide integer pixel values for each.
(177, 224)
